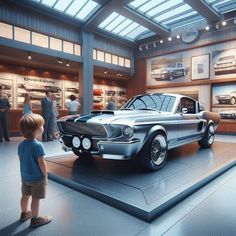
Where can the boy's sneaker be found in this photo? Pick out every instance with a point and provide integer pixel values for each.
(39, 221)
(24, 216)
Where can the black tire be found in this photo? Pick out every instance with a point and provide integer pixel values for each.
(171, 76)
(232, 100)
(154, 153)
(208, 138)
(82, 155)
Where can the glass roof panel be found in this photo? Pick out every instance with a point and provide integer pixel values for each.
(137, 3)
(49, 3)
(173, 12)
(222, 6)
(149, 5)
(128, 29)
(115, 23)
(75, 7)
(166, 22)
(61, 5)
(136, 32)
(87, 9)
(122, 26)
(108, 20)
(80, 9)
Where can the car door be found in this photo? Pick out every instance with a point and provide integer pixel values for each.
(189, 124)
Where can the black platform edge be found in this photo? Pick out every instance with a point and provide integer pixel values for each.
(142, 214)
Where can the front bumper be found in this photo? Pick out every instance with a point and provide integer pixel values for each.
(117, 150)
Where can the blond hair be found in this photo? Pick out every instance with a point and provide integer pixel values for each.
(29, 124)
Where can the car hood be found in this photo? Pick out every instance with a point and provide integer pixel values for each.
(124, 117)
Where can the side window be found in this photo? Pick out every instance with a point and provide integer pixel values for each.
(187, 103)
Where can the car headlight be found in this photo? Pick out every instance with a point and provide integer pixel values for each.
(76, 142)
(86, 143)
(128, 132)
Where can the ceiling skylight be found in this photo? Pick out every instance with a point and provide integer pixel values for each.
(167, 13)
(124, 27)
(222, 6)
(80, 9)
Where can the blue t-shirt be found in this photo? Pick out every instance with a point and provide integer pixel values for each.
(29, 151)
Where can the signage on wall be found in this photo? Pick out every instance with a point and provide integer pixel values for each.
(190, 36)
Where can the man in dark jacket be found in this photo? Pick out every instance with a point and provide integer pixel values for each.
(4, 107)
(47, 113)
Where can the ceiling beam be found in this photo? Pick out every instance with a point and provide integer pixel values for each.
(204, 10)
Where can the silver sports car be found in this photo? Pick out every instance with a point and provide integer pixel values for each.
(146, 127)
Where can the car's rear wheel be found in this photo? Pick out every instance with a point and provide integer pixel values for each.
(208, 138)
(82, 155)
(232, 100)
(154, 152)
(171, 76)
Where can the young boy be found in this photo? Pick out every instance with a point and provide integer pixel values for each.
(33, 169)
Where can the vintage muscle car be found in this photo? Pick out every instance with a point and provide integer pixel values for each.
(228, 114)
(226, 64)
(227, 98)
(146, 127)
(170, 71)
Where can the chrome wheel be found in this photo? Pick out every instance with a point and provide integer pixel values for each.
(158, 150)
(211, 135)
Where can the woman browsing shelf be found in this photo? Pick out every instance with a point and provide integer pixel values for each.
(27, 106)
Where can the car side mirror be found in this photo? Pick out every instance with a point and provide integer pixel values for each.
(184, 110)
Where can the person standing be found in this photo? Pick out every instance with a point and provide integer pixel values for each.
(4, 108)
(47, 113)
(73, 105)
(111, 104)
(55, 115)
(33, 170)
(27, 106)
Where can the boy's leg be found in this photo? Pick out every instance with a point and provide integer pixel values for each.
(25, 214)
(35, 207)
(24, 203)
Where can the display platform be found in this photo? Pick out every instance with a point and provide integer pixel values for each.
(125, 185)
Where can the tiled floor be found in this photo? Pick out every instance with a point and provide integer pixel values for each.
(209, 211)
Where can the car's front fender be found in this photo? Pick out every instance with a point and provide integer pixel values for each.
(152, 130)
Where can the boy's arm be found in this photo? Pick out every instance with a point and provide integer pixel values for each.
(42, 165)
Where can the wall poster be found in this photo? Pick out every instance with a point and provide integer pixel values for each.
(200, 67)
(224, 100)
(162, 70)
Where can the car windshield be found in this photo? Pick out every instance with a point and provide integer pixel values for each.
(158, 102)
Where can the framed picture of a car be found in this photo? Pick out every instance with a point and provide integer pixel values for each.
(224, 95)
(200, 67)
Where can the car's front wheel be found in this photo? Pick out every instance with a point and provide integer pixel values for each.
(154, 152)
(208, 138)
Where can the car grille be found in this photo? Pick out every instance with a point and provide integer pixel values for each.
(81, 128)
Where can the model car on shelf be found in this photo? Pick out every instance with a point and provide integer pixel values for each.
(225, 64)
(146, 127)
(227, 98)
(4, 86)
(231, 114)
(169, 71)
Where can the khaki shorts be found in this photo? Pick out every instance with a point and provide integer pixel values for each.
(35, 189)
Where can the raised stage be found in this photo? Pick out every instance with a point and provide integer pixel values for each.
(125, 185)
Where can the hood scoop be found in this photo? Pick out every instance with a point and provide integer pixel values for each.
(103, 112)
